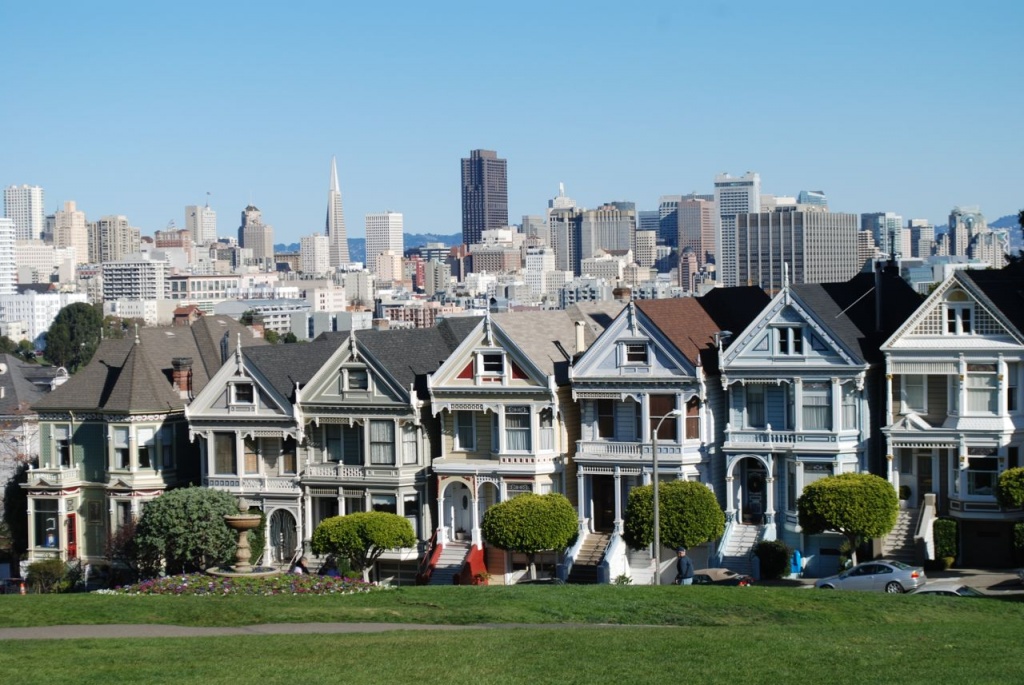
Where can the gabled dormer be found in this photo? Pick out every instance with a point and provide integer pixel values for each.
(241, 388)
(352, 378)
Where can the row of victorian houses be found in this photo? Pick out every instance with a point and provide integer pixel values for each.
(754, 396)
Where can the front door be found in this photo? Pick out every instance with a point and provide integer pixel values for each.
(283, 536)
(604, 503)
(924, 478)
(753, 493)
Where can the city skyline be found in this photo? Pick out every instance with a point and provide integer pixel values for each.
(876, 130)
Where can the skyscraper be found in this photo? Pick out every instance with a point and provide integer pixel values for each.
(697, 228)
(24, 206)
(335, 226)
(201, 223)
(732, 196)
(964, 224)
(314, 254)
(887, 230)
(668, 220)
(8, 266)
(484, 194)
(256, 235)
(69, 230)
(383, 233)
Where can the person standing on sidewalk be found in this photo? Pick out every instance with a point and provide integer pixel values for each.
(684, 568)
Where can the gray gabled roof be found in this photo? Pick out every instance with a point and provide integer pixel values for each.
(19, 391)
(287, 364)
(410, 354)
(1004, 288)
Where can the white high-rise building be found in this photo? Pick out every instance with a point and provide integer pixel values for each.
(201, 222)
(24, 206)
(71, 230)
(335, 226)
(8, 263)
(383, 234)
(315, 254)
(732, 196)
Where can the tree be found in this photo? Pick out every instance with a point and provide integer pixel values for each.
(857, 505)
(186, 529)
(530, 524)
(14, 531)
(272, 337)
(289, 338)
(689, 515)
(1010, 488)
(74, 336)
(362, 537)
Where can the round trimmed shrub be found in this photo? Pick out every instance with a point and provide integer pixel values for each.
(774, 556)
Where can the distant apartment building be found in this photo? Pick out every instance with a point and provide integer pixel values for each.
(135, 279)
(175, 239)
(24, 205)
(922, 238)
(8, 257)
(964, 224)
(384, 232)
(801, 247)
(484, 194)
(70, 229)
(418, 313)
(887, 230)
(204, 290)
(112, 238)
(668, 219)
(733, 196)
(389, 267)
(609, 227)
(436, 277)
(646, 252)
(37, 262)
(315, 254)
(36, 310)
(606, 265)
(329, 298)
(538, 261)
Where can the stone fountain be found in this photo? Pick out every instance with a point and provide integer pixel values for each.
(242, 522)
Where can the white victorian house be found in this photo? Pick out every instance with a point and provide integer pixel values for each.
(953, 417)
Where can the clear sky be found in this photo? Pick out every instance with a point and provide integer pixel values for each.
(140, 108)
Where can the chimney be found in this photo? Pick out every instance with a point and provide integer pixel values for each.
(581, 342)
(181, 376)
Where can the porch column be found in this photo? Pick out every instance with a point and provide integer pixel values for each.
(306, 524)
(836, 400)
(730, 504)
(769, 516)
(618, 501)
(580, 503)
(31, 527)
(475, 535)
(61, 526)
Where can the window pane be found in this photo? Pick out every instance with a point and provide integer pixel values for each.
(755, 406)
(465, 435)
(517, 429)
(817, 406)
(409, 453)
(606, 418)
(382, 442)
(660, 406)
(252, 461)
(224, 452)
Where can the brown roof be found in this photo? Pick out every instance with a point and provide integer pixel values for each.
(684, 322)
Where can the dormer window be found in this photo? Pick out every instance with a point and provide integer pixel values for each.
(243, 393)
(789, 341)
(636, 353)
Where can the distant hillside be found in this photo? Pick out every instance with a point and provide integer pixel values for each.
(357, 246)
(1008, 221)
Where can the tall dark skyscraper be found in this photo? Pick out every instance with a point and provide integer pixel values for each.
(484, 194)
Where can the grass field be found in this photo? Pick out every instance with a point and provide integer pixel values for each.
(733, 635)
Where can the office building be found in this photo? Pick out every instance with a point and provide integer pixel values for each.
(335, 225)
(732, 196)
(887, 230)
(436, 277)
(668, 220)
(697, 228)
(484, 194)
(201, 223)
(646, 248)
(798, 247)
(257, 236)
(384, 232)
(964, 224)
(922, 238)
(70, 230)
(609, 227)
(24, 206)
(8, 260)
(812, 198)
(112, 238)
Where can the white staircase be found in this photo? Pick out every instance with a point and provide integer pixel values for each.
(641, 566)
(453, 556)
(742, 540)
(899, 543)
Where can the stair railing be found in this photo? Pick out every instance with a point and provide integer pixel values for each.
(428, 561)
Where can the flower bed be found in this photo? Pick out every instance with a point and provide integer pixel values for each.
(212, 586)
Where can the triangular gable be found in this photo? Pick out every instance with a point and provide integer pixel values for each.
(325, 386)
(605, 358)
(459, 370)
(929, 319)
(756, 345)
(210, 401)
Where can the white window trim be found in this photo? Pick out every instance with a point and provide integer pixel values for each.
(624, 353)
(906, 408)
(234, 394)
(456, 445)
(783, 342)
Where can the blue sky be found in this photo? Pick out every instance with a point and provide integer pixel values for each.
(140, 108)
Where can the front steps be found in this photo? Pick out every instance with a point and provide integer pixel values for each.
(899, 543)
(736, 556)
(584, 568)
(453, 556)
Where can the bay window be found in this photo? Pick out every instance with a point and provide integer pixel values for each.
(817, 406)
(62, 445)
(344, 444)
(915, 393)
(982, 389)
(409, 451)
(851, 405)
(693, 419)
(982, 474)
(122, 456)
(252, 457)
(45, 524)
(547, 429)
(146, 438)
(517, 429)
(606, 419)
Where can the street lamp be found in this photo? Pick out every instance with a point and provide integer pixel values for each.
(657, 517)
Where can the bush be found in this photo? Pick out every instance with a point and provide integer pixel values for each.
(858, 505)
(904, 492)
(186, 529)
(944, 537)
(530, 524)
(1010, 488)
(688, 511)
(362, 537)
(774, 556)
(48, 575)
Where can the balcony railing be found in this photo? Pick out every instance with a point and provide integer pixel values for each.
(345, 471)
(764, 437)
(254, 483)
(54, 476)
(621, 451)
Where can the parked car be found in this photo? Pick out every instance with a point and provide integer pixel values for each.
(893, 577)
(11, 586)
(948, 588)
(721, 576)
(1020, 574)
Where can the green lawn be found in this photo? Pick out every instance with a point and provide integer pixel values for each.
(733, 635)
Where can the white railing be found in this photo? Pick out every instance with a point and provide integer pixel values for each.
(254, 483)
(770, 437)
(626, 450)
(54, 475)
(351, 472)
(526, 458)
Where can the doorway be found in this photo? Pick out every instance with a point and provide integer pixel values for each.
(603, 502)
(754, 480)
(924, 478)
(283, 536)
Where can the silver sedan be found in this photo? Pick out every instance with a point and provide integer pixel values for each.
(893, 577)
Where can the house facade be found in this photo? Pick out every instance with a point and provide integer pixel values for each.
(953, 417)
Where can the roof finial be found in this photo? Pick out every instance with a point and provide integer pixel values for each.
(487, 328)
(137, 341)
(238, 354)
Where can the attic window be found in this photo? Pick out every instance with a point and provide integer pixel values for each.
(243, 393)
(492, 363)
(636, 353)
(357, 379)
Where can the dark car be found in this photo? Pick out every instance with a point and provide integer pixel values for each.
(889, 576)
(948, 588)
(721, 576)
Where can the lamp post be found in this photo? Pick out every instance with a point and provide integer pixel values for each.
(657, 513)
